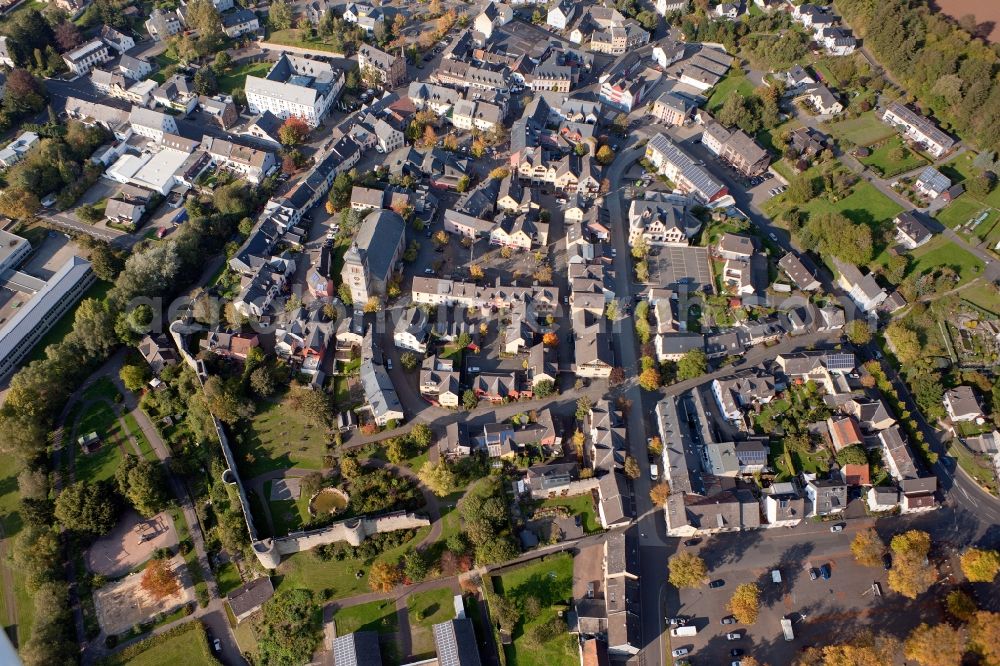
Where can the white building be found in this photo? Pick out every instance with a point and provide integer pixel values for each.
(35, 307)
(84, 58)
(17, 149)
(295, 86)
(151, 124)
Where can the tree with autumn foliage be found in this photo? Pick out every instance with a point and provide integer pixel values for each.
(159, 579)
(384, 576)
(745, 603)
(911, 574)
(937, 645)
(550, 339)
(687, 570)
(868, 548)
(984, 636)
(659, 492)
(865, 649)
(293, 131)
(980, 566)
(430, 137)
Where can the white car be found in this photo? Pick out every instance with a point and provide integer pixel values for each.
(654, 472)
(680, 652)
(733, 636)
(217, 644)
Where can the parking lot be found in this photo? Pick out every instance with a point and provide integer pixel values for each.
(672, 266)
(821, 611)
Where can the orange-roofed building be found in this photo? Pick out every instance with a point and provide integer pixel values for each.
(844, 431)
(856, 475)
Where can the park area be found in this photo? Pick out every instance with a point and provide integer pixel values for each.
(736, 82)
(280, 437)
(545, 586)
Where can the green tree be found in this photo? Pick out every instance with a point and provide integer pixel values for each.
(438, 477)
(280, 15)
(409, 361)
(693, 364)
(801, 189)
(143, 484)
(858, 332)
(852, 455)
(88, 508)
(134, 377)
(469, 400)
(544, 388)
(415, 567)
(289, 630)
(262, 382)
(605, 155)
(687, 570)
(960, 605)
(904, 342)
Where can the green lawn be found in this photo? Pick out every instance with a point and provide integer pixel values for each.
(336, 579)
(550, 581)
(236, 76)
(162, 60)
(881, 160)
(135, 431)
(246, 639)
(187, 643)
(280, 437)
(975, 466)
(97, 290)
(983, 295)
(102, 463)
(736, 82)
(286, 515)
(426, 610)
(967, 207)
(864, 130)
(378, 616)
(940, 251)
(11, 519)
(581, 505)
(864, 205)
(228, 578)
(300, 38)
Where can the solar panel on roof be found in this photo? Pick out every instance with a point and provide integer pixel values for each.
(840, 362)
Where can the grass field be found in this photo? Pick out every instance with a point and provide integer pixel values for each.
(426, 610)
(881, 160)
(286, 515)
(942, 252)
(864, 130)
(550, 581)
(967, 207)
(736, 82)
(279, 437)
(236, 77)
(975, 466)
(228, 578)
(97, 290)
(162, 60)
(581, 505)
(300, 38)
(378, 616)
(102, 463)
(983, 295)
(307, 571)
(187, 643)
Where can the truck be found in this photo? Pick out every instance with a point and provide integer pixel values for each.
(786, 629)
(686, 630)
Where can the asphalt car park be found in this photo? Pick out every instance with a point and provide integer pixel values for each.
(822, 610)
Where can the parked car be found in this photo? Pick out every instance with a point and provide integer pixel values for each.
(692, 542)
(678, 621)
(773, 237)
(717, 583)
(729, 619)
(388, 363)
(654, 473)
(736, 652)
(813, 575)
(839, 527)
(680, 652)
(733, 636)
(217, 644)
(428, 271)
(824, 571)
(887, 561)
